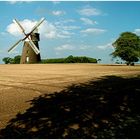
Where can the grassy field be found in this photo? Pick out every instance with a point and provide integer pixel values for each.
(56, 100)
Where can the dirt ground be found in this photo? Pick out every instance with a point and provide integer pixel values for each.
(21, 83)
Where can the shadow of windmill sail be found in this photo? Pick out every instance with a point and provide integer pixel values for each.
(30, 52)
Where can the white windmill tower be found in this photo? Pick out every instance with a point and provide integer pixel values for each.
(30, 52)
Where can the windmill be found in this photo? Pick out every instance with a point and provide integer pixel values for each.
(30, 52)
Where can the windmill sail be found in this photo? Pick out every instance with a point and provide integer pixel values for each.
(34, 28)
(15, 45)
(20, 27)
(31, 47)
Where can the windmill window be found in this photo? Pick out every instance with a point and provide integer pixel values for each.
(27, 51)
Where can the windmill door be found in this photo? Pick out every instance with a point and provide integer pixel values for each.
(27, 59)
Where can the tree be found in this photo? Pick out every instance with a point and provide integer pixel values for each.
(99, 60)
(127, 47)
(70, 59)
(17, 59)
(7, 60)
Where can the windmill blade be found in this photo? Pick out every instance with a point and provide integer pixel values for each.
(20, 27)
(15, 45)
(34, 28)
(33, 46)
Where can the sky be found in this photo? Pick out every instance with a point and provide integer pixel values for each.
(78, 28)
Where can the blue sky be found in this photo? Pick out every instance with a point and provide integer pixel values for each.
(78, 28)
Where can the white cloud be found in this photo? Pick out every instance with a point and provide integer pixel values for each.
(55, 2)
(137, 31)
(89, 11)
(84, 47)
(12, 2)
(106, 46)
(58, 13)
(65, 47)
(70, 47)
(46, 29)
(52, 32)
(70, 27)
(88, 21)
(17, 1)
(68, 20)
(15, 30)
(64, 22)
(67, 32)
(93, 31)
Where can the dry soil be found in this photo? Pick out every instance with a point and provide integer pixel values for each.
(21, 83)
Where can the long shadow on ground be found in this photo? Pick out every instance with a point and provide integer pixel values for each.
(106, 108)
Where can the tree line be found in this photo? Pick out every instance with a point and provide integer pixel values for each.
(69, 59)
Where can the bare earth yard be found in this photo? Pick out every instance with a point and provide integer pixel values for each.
(19, 84)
